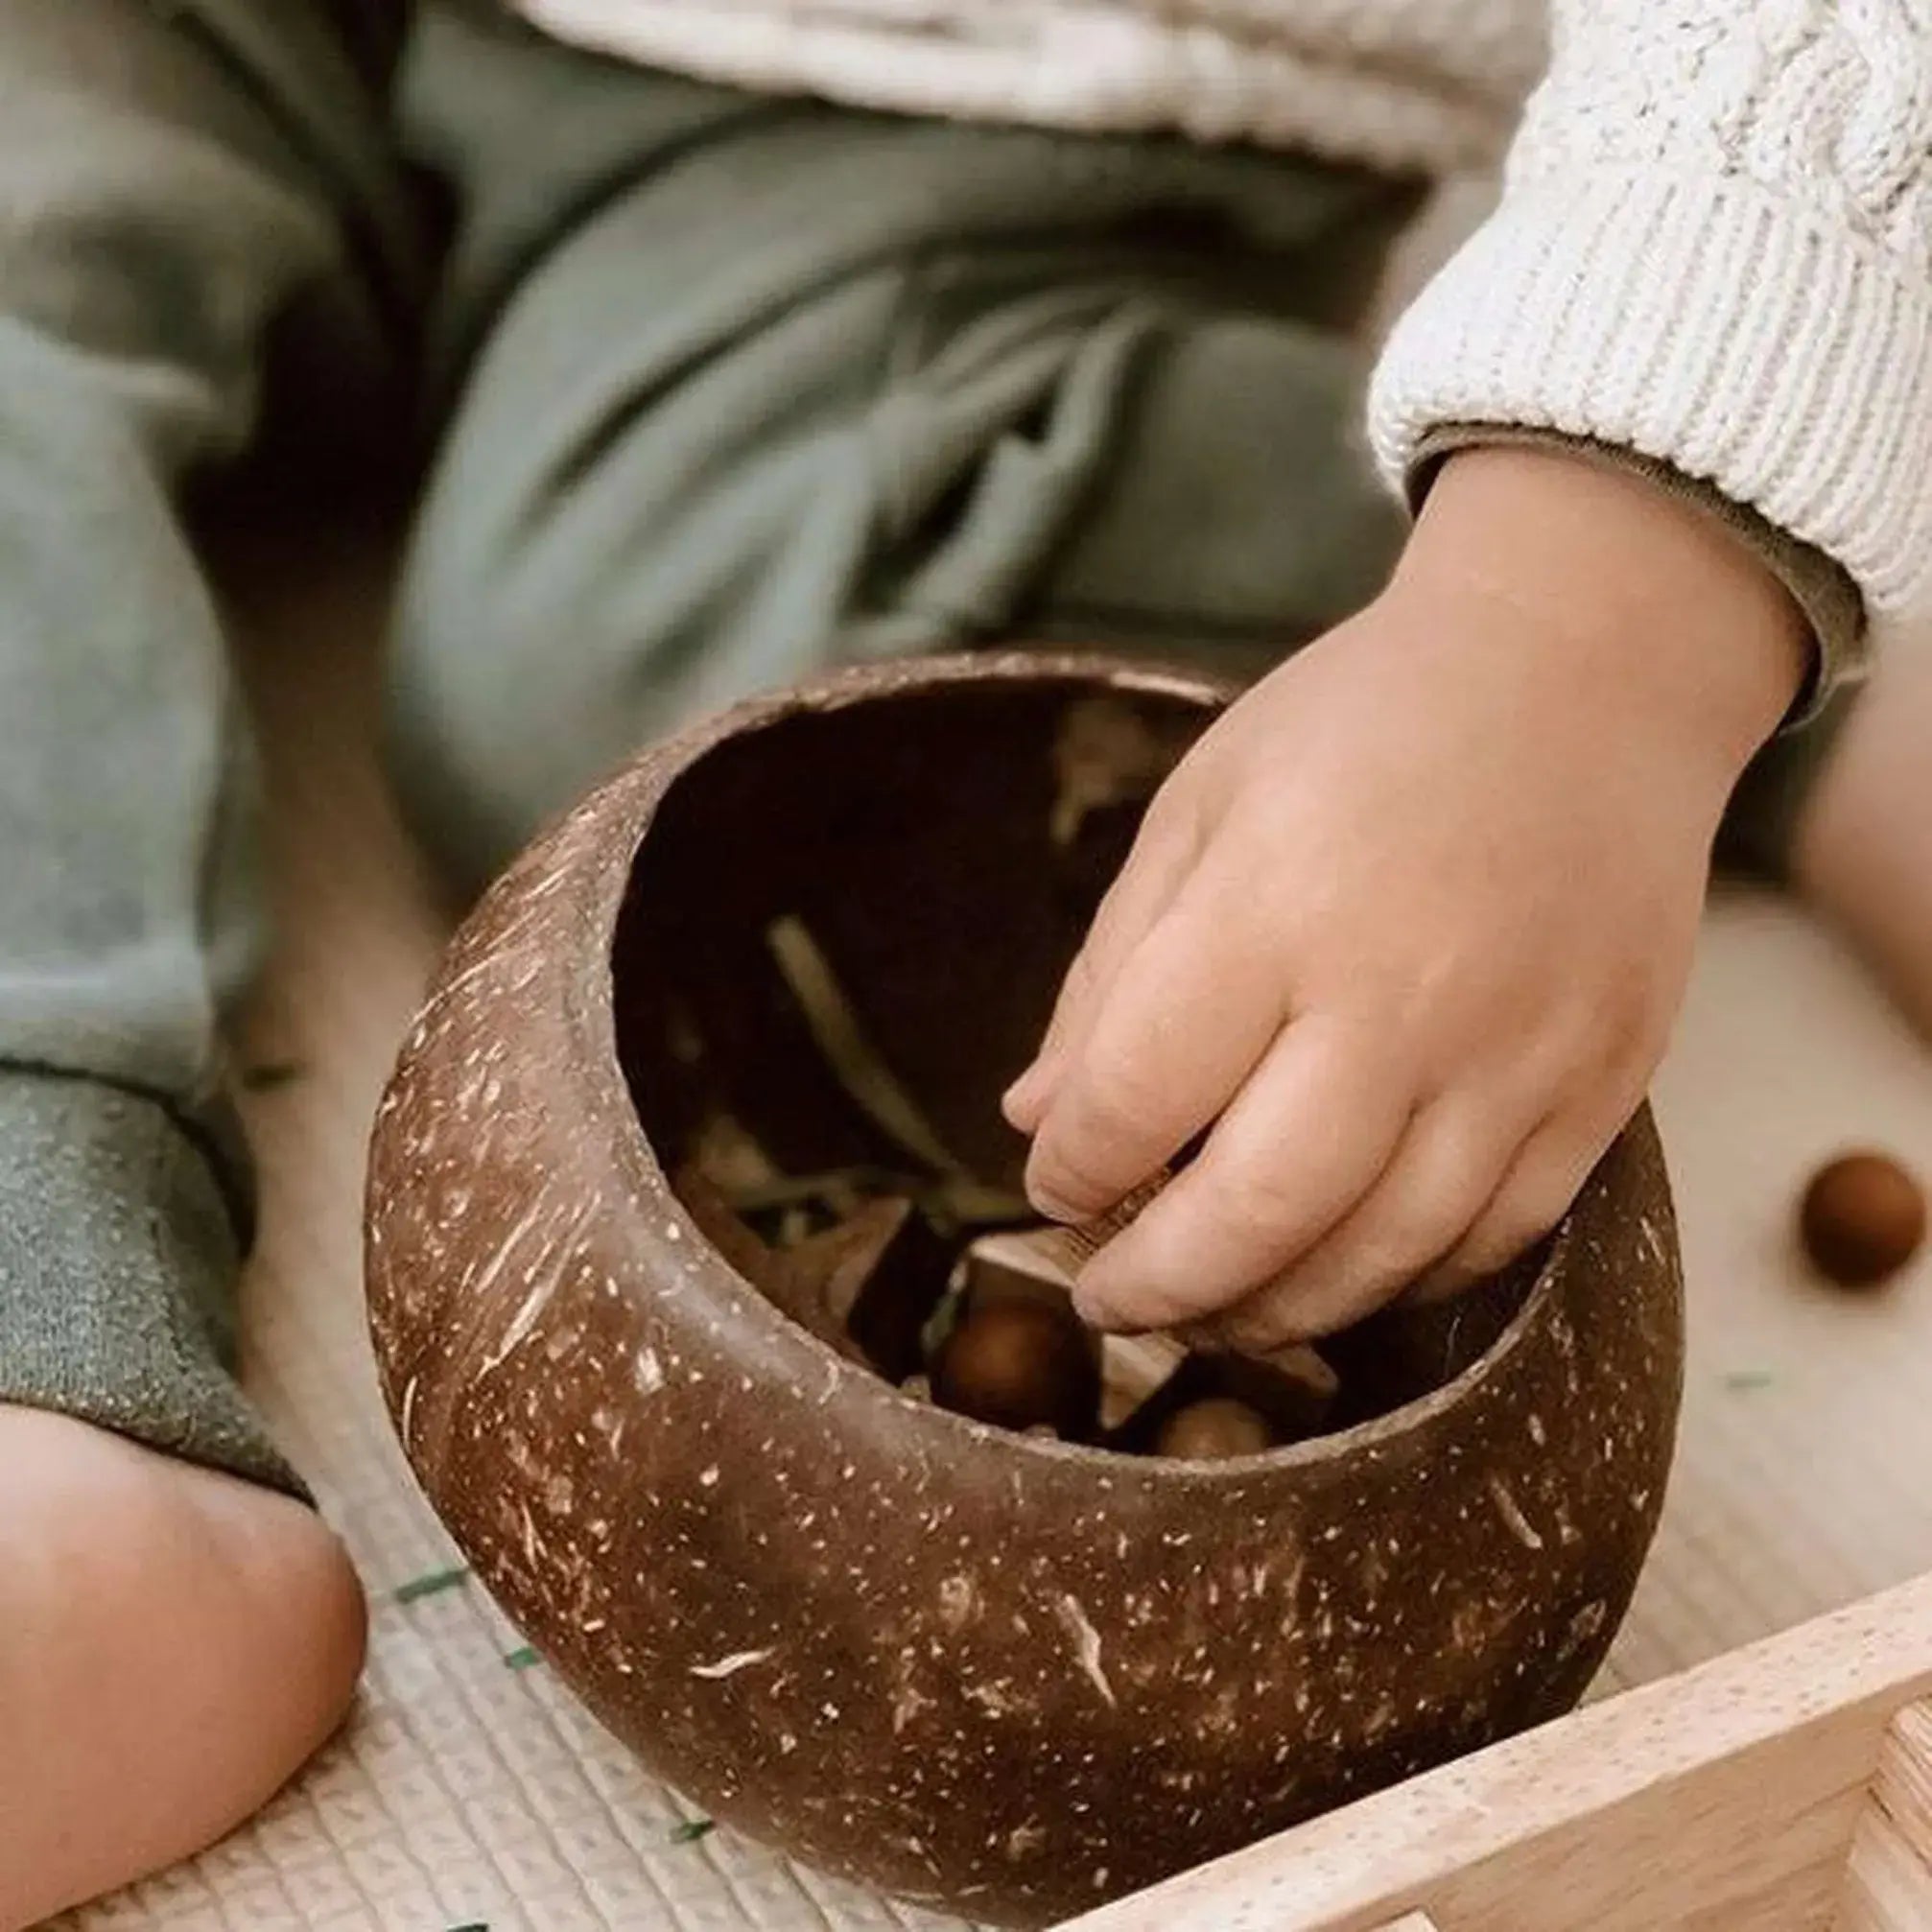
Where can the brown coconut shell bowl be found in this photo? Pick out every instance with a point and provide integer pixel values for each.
(1008, 1676)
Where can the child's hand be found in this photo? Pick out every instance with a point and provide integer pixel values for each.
(1413, 920)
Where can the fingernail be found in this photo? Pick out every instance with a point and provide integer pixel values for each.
(1049, 1204)
(1020, 1098)
(1095, 1310)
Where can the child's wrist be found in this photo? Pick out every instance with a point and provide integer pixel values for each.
(1661, 614)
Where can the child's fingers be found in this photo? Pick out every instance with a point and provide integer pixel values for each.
(1423, 1203)
(1155, 870)
(1510, 1223)
(1536, 1194)
(1304, 1139)
(1027, 1099)
(1187, 1019)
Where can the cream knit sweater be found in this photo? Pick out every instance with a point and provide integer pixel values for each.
(1714, 244)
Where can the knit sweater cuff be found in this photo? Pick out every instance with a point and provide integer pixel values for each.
(1707, 323)
(118, 1268)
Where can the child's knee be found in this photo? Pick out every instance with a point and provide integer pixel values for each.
(644, 511)
(460, 756)
(514, 684)
(1122, 472)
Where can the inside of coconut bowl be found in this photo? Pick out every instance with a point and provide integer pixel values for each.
(843, 935)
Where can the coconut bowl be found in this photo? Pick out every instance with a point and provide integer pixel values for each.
(1008, 1676)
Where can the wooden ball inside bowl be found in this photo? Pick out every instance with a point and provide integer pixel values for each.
(1006, 1675)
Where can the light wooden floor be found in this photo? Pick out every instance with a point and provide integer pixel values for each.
(468, 1793)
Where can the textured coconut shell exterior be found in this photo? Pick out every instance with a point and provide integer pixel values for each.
(1005, 1675)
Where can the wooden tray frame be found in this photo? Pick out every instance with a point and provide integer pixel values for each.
(1785, 1787)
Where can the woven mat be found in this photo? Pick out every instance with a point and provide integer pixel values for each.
(468, 1792)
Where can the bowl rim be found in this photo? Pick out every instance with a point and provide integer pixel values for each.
(643, 786)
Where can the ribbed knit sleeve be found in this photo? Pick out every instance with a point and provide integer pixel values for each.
(1714, 247)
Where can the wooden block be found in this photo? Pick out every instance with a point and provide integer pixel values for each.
(1888, 1881)
(1293, 1387)
(1725, 1799)
(1133, 1369)
(1023, 1263)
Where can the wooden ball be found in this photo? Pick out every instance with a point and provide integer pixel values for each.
(1214, 1431)
(1862, 1219)
(1021, 1364)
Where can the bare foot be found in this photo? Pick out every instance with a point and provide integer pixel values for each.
(176, 1643)
(1863, 849)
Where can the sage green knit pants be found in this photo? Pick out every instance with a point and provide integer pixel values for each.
(724, 389)
(194, 211)
(743, 387)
